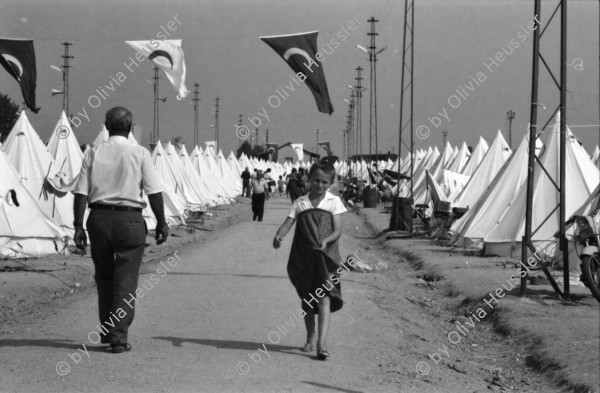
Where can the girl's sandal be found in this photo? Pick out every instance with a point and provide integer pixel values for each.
(323, 354)
(308, 347)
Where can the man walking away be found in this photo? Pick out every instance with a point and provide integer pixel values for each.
(246, 183)
(112, 178)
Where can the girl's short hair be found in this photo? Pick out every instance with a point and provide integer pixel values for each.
(325, 166)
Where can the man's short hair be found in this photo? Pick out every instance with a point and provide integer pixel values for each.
(118, 120)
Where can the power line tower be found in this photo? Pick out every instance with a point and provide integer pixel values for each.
(196, 100)
(373, 83)
(406, 108)
(534, 131)
(510, 115)
(358, 127)
(66, 67)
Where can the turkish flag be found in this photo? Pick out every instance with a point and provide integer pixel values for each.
(327, 147)
(299, 51)
(18, 58)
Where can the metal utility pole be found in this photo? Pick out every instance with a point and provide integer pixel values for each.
(405, 92)
(373, 84)
(256, 137)
(559, 184)
(217, 126)
(510, 115)
(445, 134)
(65, 68)
(317, 144)
(196, 100)
(358, 127)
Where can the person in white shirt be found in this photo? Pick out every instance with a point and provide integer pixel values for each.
(113, 176)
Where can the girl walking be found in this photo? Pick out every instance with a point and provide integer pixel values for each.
(314, 265)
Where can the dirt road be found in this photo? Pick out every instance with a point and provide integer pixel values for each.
(220, 317)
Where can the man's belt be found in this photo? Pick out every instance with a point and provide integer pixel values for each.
(99, 206)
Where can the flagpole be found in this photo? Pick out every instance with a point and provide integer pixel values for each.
(196, 99)
(155, 136)
(217, 127)
(66, 67)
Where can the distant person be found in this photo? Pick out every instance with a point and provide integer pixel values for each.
(314, 264)
(281, 185)
(270, 182)
(295, 185)
(246, 176)
(259, 189)
(304, 177)
(112, 178)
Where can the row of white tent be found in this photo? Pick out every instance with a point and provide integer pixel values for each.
(37, 208)
(491, 183)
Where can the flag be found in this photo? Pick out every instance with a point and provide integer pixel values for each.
(327, 147)
(168, 56)
(299, 51)
(272, 149)
(18, 58)
(211, 146)
(298, 149)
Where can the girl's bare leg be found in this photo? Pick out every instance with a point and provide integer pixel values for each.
(309, 322)
(324, 316)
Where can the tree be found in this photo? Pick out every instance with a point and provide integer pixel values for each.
(9, 113)
(244, 148)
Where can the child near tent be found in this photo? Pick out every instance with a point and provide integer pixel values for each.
(314, 264)
(281, 185)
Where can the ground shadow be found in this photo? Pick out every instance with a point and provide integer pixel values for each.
(219, 274)
(64, 344)
(549, 294)
(232, 344)
(325, 386)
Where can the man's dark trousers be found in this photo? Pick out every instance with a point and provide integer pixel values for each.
(117, 241)
(246, 188)
(258, 205)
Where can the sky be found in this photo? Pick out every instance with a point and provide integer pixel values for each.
(458, 87)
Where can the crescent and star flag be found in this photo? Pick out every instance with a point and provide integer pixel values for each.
(18, 58)
(210, 146)
(300, 52)
(326, 146)
(298, 149)
(168, 56)
(272, 149)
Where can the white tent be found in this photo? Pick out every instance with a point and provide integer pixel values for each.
(421, 191)
(199, 183)
(235, 167)
(476, 157)
(26, 231)
(28, 155)
(217, 190)
(581, 179)
(470, 229)
(227, 175)
(211, 164)
(485, 173)
(65, 151)
(461, 159)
